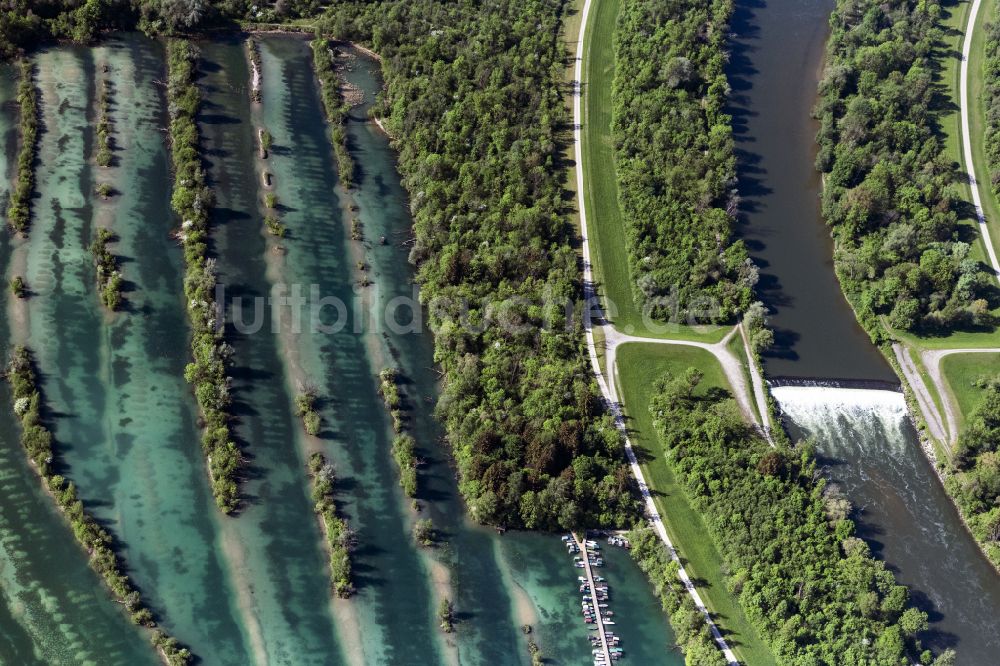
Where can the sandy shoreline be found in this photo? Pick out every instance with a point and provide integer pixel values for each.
(343, 610)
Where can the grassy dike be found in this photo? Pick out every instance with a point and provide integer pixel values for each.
(605, 222)
(639, 366)
(19, 207)
(191, 198)
(37, 440)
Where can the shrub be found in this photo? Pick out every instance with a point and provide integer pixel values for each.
(18, 208)
(109, 279)
(340, 538)
(104, 155)
(191, 201)
(446, 616)
(424, 532)
(403, 453)
(305, 406)
(18, 287)
(274, 226)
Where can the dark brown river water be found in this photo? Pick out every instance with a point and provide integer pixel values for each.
(774, 71)
(865, 441)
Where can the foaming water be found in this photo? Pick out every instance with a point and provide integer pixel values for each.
(867, 445)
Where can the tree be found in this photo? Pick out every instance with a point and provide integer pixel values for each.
(181, 15)
(446, 616)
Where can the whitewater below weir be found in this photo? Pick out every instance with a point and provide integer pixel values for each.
(867, 445)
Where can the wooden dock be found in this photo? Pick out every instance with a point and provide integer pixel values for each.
(593, 596)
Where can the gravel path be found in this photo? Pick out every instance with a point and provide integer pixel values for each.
(932, 361)
(932, 417)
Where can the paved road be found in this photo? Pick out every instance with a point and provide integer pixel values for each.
(612, 402)
(967, 137)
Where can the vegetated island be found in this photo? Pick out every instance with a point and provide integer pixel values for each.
(38, 443)
(191, 201)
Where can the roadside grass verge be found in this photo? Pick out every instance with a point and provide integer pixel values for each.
(604, 219)
(639, 366)
(977, 119)
(961, 372)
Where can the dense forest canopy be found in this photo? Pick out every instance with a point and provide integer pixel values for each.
(674, 159)
(991, 100)
(888, 186)
(805, 581)
(474, 101)
(975, 485)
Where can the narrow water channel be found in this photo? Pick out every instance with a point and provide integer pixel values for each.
(126, 423)
(394, 600)
(862, 436)
(51, 593)
(275, 544)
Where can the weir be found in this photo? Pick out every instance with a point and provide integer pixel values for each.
(831, 384)
(869, 448)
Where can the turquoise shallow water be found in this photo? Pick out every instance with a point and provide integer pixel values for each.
(49, 589)
(126, 423)
(128, 430)
(394, 602)
(275, 542)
